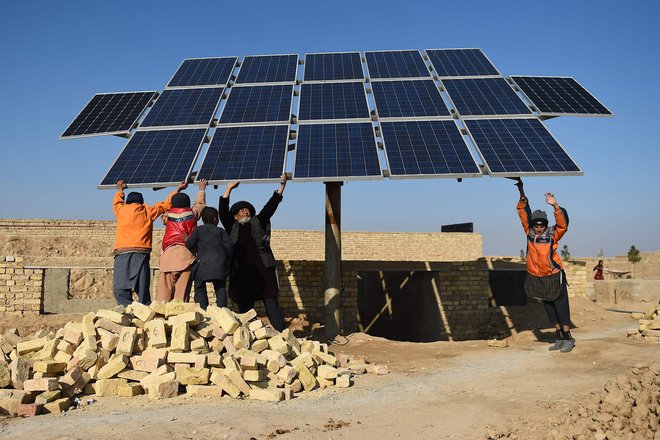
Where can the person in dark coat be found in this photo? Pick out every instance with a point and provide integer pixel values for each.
(252, 274)
(213, 247)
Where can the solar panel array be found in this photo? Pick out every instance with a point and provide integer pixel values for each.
(184, 107)
(461, 62)
(252, 104)
(484, 96)
(197, 72)
(396, 64)
(408, 99)
(268, 69)
(333, 101)
(341, 66)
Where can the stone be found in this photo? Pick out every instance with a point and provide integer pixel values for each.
(108, 387)
(108, 340)
(241, 338)
(275, 356)
(498, 343)
(47, 396)
(116, 364)
(66, 347)
(57, 406)
(130, 390)
(192, 376)
(30, 346)
(248, 363)
(245, 318)
(305, 376)
(5, 375)
(84, 360)
(221, 380)
(49, 366)
(20, 372)
(325, 383)
(204, 390)
(343, 381)
(127, 339)
(159, 307)
(108, 325)
(267, 395)
(214, 359)
(88, 327)
(325, 358)
(295, 386)
(156, 333)
(133, 375)
(61, 356)
(307, 347)
(224, 317)
(174, 308)
(276, 343)
(235, 378)
(44, 384)
(259, 345)
(272, 366)
(288, 374)
(70, 378)
(255, 325)
(293, 342)
(266, 332)
(182, 358)
(255, 375)
(180, 338)
(378, 370)
(154, 378)
(156, 353)
(163, 390)
(116, 317)
(229, 346)
(199, 346)
(190, 318)
(204, 329)
(142, 312)
(326, 372)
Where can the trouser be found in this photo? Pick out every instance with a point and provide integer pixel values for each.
(273, 310)
(202, 298)
(131, 273)
(558, 310)
(174, 285)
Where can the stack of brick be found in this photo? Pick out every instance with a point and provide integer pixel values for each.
(161, 350)
(649, 325)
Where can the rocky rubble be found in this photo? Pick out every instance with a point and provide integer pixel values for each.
(163, 350)
(649, 325)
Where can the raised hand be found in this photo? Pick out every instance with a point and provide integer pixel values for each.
(121, 185)
(202, 184)
(550, 199)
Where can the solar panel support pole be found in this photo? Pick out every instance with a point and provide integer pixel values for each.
(332, 296)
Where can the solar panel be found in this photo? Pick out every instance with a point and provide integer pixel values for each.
(333, 66)
(251, 104)
(484, 96)
(461, 62)
(184, 107)
(336, 151)
(156, 158)
(268, 69)
(109, 113)
(516, 147)
(416, 98)
(204, 72)
(246, 153)
(560, 96)
(396, 64)
(333, 101)
(427, 149)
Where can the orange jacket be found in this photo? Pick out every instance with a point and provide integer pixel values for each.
(542, 257)
(135, 222)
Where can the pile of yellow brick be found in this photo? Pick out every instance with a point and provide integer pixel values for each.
(160, 349)
(649, 325)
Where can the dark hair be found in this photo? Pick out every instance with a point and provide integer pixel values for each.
(209, 215)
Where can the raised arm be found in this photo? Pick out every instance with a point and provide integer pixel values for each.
(561, 218)
(226, 218)
(200, 199)
(524, 211)
(271, 205)
(118, 200)
(161, 207)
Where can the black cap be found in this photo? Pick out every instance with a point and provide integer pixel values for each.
(243, 204)
(134, 197)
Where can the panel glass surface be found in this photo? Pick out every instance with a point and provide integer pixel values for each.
(518, 146)
(333, 66)
(246, 153)
(333, 101)
(427, 148)
(484, 96)
(109, 113)
(157, 157)
(559, 95)
(460, 62)
(268, 69)
(411, 98)
(396, 64)
(204, 72)
(182, 107)
(336, 151)
(258, 104)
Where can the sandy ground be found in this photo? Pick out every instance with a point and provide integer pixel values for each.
(434, 390)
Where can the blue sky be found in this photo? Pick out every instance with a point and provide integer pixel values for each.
(56, 55)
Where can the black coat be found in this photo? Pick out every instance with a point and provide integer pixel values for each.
(214, 250)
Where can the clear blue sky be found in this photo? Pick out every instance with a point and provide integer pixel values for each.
(56, 55)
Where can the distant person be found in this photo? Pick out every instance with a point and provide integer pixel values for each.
(132, 247)
(546, 279)
(253, 275)
(213, 248)
(176, 261)
(599, 270)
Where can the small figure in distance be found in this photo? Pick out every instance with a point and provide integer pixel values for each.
(546, 278)
(599, 270)
(213, 247)
(132, 247)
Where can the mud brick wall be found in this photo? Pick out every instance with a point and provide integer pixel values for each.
(20, 289)
(576, 275)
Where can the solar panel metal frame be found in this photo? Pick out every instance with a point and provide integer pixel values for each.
(111, 133)
(204, 140)
(493, 116)
(437, 73)
(238, 75)
(205, 125)
(339, 178)
(429, 76)
(231, 73)
(363, 79)
(338, 121)
(430, 176)
(525, 173)
(227, 124)
(449, 114)
(553, 114)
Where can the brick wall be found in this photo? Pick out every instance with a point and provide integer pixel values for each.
(20, 289)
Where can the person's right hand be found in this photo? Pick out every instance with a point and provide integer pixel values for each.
(121, 185)
(183, 185)
(233, 185)
(202, 184)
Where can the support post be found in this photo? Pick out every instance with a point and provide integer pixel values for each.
(332, 296)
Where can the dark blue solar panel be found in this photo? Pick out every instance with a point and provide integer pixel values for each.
(204, 72)
(109, 113)
(268, 69)
(484, 96)
(336, 151)
(182, 107)
(333, 101)
(426, 148)
(396, 64)
(559, 95)
(460, 62)
(258, 104)
(246, 153)
(157, 157)
(519, 146)
(396, 99)
(333, 66)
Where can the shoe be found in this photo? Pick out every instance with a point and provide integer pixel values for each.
(559, 343)
(568, 345)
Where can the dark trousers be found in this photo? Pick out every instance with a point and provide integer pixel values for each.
(273, 310)
(558, 310)
(202, 298)
(131, 272)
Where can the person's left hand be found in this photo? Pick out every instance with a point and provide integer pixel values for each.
(550, 199)
(183, 185)
(202, 184)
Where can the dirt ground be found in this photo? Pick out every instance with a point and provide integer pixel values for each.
(457, 390)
